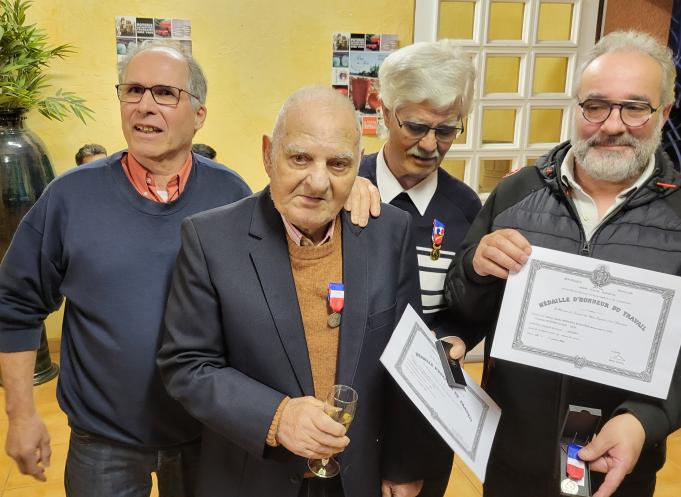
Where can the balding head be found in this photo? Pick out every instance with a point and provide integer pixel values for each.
(312, 158)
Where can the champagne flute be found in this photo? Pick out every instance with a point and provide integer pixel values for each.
(340, 405)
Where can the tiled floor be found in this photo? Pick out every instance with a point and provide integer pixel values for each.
(462, 483)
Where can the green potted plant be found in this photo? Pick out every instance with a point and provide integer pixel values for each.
(25, 168)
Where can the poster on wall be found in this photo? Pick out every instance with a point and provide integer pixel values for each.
(131, 31)
(355, 63)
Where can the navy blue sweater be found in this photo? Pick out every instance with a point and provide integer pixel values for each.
(93, 239)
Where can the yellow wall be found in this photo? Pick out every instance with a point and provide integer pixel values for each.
(254, 53)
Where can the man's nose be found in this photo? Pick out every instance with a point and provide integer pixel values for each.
(428, 143)
(614, 125)
(318, 177)
(147, 102)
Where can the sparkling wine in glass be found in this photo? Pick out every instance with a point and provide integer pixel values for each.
(340, 405)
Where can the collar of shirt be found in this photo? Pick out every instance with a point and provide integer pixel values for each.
(301, 240)
(143, 181)
(389, 187)
(585, 205)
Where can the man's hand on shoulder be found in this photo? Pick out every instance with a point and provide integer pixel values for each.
(307, 431)
(501, 252)
(28, 443)
(364, 199)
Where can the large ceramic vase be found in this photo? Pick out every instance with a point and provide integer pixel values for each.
(25, 171)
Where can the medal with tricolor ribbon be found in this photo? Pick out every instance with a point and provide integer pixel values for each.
(575, 466)
(336, 302)
(437, 238)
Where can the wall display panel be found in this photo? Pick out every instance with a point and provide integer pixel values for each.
(456, 20)
(550, 74)
(502, 73)
(491, 172)
(555, 21)
(498, 126)
(545, 125)
(506, 21)
(455, 167)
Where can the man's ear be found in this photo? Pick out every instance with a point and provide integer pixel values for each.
(267, 154)
(665, 113)
(200, 118)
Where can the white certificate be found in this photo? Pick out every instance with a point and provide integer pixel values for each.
(593, 319)
(466, 418)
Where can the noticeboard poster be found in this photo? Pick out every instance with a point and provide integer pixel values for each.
(131, 31)
(355, 63)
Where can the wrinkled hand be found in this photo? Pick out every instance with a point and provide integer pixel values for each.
(458, 350)
(364, 199)
(615, 451)
(501, 252)
(307, 431)
(28, 443)
(392, 489)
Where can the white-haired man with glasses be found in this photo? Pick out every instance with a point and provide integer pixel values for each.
(609, 193)
(426, 92)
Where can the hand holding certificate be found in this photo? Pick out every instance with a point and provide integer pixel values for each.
(466, 418)
(593, 319)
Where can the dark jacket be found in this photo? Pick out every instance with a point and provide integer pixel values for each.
(235, 347)
(645, 231)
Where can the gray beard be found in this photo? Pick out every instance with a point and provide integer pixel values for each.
(615, 166)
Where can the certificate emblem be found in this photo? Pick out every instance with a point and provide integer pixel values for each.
(568, 486)
(600, 276)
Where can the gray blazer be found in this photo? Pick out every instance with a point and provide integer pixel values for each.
(234, 346)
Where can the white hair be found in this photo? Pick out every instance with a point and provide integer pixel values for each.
(636, 41)
(439, 73)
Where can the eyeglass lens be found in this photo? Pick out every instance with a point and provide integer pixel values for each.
(162, 94)
(631, 113)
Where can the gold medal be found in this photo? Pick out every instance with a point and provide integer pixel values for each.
(334, 320)
(435, 253)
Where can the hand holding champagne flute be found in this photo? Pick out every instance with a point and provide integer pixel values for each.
(340, 405)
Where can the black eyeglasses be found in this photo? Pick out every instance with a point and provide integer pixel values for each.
(632, 112)
(416, 131)
(162, 94)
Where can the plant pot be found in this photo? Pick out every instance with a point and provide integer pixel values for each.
(25, 171)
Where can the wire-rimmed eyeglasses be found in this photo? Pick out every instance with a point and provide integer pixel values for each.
(443, 132)
(132, 93)
(633, 113)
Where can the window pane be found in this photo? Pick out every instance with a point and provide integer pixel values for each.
(545, 125)
(456, 20)
(491, 172)
(555, 22)
(550, 74)
(506, 21)
(531, 161)
(498, 125)
(455, 167)
(502, 74)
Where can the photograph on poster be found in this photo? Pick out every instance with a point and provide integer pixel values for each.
(125, 26)
(145, 27)
(176, 32)
(354, 72)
